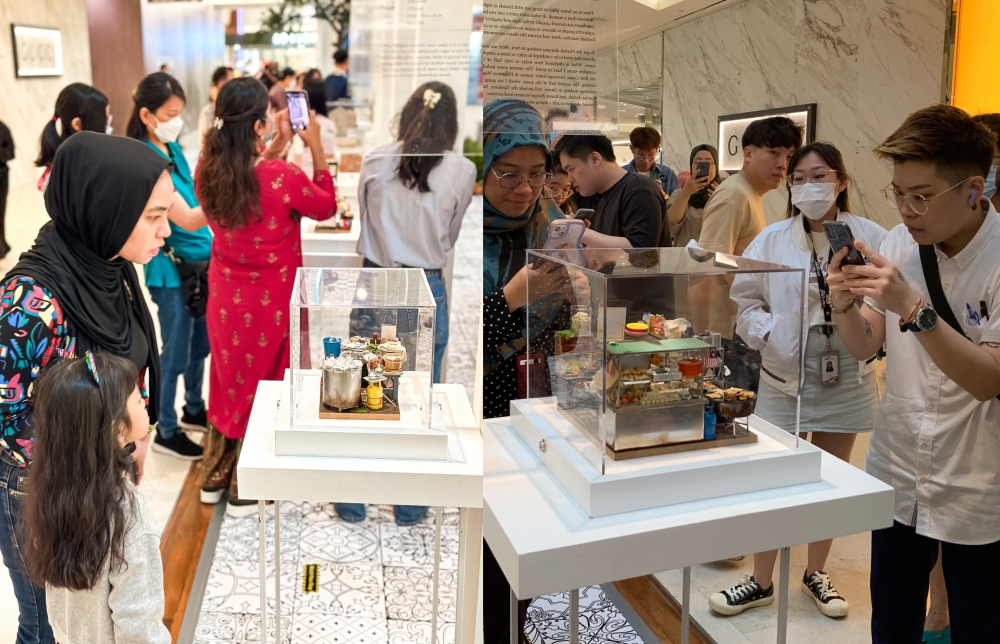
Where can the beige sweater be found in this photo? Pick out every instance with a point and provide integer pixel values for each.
(126, 606)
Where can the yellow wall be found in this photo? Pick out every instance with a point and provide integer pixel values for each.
(976, 79)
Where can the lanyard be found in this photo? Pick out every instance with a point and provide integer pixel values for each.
(824, 290)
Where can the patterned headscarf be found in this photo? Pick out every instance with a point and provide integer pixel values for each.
(510, 123)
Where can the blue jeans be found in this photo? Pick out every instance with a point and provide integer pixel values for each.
(33, 619)
(185, 347)
(405, 514)
(364, 321)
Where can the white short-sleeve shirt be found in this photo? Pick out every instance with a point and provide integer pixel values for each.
(934, 443)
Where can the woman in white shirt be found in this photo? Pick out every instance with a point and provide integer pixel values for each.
(413, 195)
(839, 397)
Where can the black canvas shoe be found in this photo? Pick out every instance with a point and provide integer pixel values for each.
(196, 422)
(744, 595)
(180, 446)
(828, 600)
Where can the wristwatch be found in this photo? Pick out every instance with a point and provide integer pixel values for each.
(924, 319)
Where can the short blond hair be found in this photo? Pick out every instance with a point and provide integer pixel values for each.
(944, 135)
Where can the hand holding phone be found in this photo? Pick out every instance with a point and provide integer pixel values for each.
(298, 110)
(840, 236)
(563, 234)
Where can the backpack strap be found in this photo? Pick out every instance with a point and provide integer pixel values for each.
(928, 262)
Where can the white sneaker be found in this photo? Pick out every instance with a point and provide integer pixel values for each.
(239, 511)
(211, 497)
(744, 595)
(827, 599)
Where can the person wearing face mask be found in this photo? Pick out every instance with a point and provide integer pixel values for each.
(156, 121)
(253, 203)
(992, 121)
(76, 290)
(79, 108)
(839, 396)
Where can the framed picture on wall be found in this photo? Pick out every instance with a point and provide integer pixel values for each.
(37, 51)
(732, 126)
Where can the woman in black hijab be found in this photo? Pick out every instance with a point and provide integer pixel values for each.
(77, 290)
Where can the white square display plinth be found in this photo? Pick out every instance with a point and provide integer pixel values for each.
(396, 439)
(774, 461)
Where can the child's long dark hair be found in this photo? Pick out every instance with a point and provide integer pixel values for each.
(75, 513)
(76, 100)
(428, 127)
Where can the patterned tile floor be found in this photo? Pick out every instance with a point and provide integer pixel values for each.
(374, 586)
(600, 620)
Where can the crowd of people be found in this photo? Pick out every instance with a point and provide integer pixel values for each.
(934, 428)
(88, 389)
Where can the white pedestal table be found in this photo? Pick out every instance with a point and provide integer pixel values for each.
(545, 543)
(456, 482)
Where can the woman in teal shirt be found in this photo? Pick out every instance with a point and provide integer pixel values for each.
(156, 121)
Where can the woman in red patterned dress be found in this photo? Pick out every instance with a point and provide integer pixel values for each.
(253, 205)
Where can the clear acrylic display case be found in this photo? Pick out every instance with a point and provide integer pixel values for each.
(397, 304)
(635, 346)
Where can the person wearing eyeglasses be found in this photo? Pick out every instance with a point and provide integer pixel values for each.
(644, 142)
(931, 293)
(838, 394)
(561, 189)
(516, 217)
(632, 211)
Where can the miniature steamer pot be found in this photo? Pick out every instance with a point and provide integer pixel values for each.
(341, 383)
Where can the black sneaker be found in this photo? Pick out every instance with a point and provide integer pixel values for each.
(828, 600)
(744, 595)
(197, 422)
(180, 446)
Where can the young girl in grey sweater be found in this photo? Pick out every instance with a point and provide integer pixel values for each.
(93, 538)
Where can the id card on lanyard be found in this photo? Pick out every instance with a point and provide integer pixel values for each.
(829, 358)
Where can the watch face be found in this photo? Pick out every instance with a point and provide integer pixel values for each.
(926, 319)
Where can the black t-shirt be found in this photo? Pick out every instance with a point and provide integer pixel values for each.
(634, 208)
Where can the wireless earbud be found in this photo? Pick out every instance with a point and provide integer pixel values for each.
(974, 197)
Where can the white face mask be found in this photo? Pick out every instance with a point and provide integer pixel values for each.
(169, 131)
(991, 183)
(814, 200)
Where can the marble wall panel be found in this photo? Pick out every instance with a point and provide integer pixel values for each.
(865, 63)
(28, 103)
(640, 62)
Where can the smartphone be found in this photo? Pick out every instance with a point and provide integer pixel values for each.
(563, 234)
(702, 169)
(584, 214)
(840, 236)
(298, 110)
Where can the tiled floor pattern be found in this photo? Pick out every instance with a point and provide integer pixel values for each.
(600, 621)
(375, 579)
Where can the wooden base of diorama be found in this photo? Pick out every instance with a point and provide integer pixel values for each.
(389, 410)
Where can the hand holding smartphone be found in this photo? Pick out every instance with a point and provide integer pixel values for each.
(840, 236)
(563, 234)
(298, 110)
